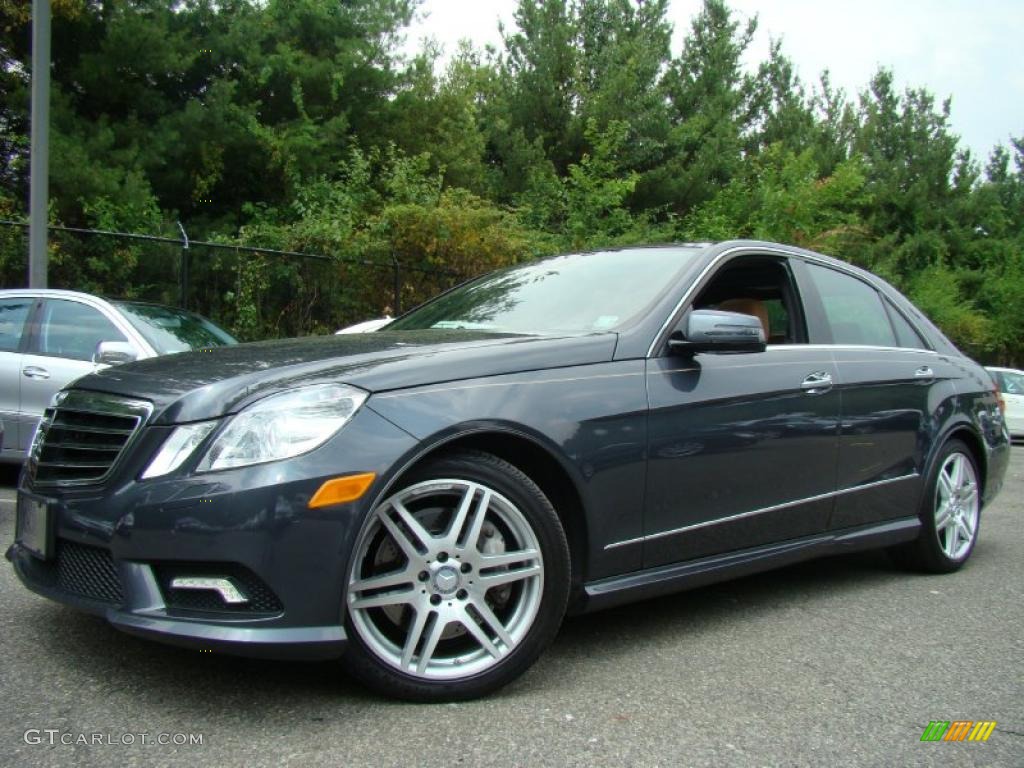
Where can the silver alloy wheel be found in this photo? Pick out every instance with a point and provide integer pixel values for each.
(452, 603)
(957, 503)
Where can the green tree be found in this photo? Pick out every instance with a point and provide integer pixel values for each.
(707, 92)
(296, 124)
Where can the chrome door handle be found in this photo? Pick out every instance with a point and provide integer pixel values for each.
(35, 372)
(924, 372)
(817, 383)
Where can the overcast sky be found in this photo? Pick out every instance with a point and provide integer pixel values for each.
(967, 49)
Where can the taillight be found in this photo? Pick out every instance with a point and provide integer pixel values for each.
(999, 399)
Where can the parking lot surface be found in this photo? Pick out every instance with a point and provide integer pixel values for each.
(836, 662)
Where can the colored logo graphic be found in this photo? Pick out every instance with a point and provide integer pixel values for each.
(958, 730)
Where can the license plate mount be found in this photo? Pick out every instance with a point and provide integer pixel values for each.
(34, 527)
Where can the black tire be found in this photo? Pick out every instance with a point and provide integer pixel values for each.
(372, 656)
(930, 551)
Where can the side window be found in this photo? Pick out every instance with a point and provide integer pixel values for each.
(760, 286)
(13, 313)
(71, 329)
(906, 334)
(854, 309)
(1012, 383)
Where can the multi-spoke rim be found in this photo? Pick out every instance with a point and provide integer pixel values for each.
(464, 585)
(956, 506)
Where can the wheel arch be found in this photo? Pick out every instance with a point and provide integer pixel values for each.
(534, 459)
(965, 433)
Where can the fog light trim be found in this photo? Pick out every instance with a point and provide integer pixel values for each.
(228, 592)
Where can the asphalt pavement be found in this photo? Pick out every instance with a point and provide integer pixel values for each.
(838, 662)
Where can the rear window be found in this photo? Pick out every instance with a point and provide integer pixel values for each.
(854, 309)
(171, 330)
(906, 334)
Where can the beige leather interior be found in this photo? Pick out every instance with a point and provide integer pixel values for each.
(749, 307)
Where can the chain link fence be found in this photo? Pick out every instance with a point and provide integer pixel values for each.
(254, 292)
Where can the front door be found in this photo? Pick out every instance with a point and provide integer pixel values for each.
(742, 447)
(62, 351)
(14, 314)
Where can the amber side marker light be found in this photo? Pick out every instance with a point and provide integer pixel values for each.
(338, 490)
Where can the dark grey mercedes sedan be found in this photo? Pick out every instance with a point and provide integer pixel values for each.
(428, 501)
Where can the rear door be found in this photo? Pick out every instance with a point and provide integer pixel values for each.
(887, 380)
(14, 316)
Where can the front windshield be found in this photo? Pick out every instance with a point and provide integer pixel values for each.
(173, 330)
(577, 293)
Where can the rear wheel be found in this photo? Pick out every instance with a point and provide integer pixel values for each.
(950, 513)
(459, 580)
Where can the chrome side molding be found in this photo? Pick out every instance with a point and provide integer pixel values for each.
(763, 510)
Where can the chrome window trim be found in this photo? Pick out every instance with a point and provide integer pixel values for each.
(761, 511)
(756, 250)
(854, 347)
(810, 347)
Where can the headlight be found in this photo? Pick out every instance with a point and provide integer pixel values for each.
(282, 426)
(177, 448)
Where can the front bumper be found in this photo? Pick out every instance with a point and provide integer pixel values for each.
(116, 548)
(142, 612)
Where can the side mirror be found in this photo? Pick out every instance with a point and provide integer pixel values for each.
(711, 330)
(114, 353)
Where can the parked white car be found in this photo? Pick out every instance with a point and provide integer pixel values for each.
(366, 326)
(49, 338)
(1011, 384)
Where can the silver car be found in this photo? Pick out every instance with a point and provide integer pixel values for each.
(49, 338)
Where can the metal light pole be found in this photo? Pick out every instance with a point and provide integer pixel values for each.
(39, 160)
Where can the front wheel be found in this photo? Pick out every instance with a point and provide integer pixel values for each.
(950, 513)
(459, 580)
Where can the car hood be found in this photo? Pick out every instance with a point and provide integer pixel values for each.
(205, 384)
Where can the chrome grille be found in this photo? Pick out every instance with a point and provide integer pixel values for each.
(82, 436)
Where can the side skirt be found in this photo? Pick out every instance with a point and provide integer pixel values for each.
(654, 582)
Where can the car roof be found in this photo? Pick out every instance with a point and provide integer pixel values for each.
(1004, 370)
(55, 292)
